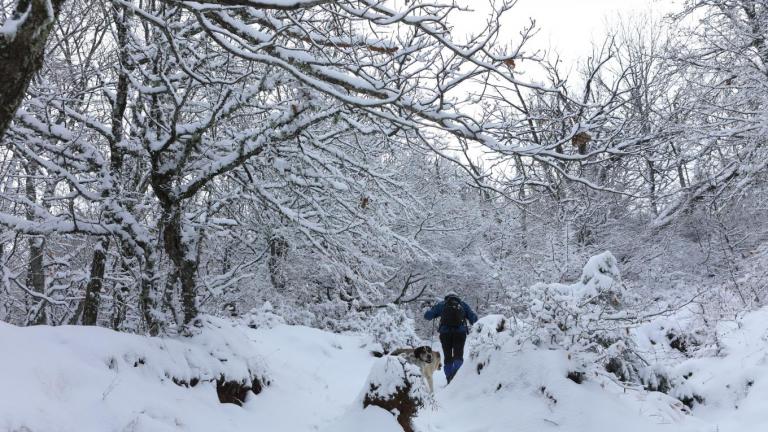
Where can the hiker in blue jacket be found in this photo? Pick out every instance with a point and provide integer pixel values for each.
(453, 314)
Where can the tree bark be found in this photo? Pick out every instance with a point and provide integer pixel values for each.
(35, 272)
(148, 301)
(95, 284)
(22, 53)
(182, 255)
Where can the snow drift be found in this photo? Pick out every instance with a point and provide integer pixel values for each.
(92, 379)
(89, 378)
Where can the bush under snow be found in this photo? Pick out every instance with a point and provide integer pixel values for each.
(398, 387)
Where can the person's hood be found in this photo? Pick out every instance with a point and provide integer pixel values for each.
(451, 294)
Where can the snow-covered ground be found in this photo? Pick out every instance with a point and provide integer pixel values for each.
(91, 379)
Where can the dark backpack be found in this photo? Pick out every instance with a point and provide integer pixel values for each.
(453, 315)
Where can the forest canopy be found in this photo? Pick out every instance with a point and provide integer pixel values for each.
(160, 160)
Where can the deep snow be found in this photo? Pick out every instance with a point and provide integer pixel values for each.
(91, 379)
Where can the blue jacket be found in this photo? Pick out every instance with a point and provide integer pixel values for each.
(437, 310)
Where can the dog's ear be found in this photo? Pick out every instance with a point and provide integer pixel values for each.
(421, 351)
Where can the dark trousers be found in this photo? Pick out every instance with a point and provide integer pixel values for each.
(453, 346)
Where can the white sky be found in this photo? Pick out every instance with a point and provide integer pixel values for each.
(569, 26)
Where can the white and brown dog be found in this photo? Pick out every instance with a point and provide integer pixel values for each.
(425, 358)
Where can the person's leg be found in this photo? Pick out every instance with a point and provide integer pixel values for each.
(447, 343)
(457, 349)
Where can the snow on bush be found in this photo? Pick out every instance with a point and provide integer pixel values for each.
(736, 379)
(337, 316)
(397, 386)
(487, 338)
(587, 316)
(549, 384)
(600, 325)
(576, 314)
(263, 317)
(390, 327)
(599, 330)
(665, 342)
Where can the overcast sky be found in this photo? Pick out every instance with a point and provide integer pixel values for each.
(569, 26)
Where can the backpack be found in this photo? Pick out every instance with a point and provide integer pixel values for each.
(453, 315)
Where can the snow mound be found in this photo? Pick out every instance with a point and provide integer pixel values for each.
(730, 390)
(397, 386)
(87, 378)
(262, 318)
(90, 379)
(507, 383)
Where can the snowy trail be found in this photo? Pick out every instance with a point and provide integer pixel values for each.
(317, 377)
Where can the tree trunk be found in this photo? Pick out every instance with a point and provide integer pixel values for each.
(95, 284)
(119, 310)
(652, 187)
(120, 294)
(181, 251)
(22, 53)
(278, 249)
(170, 288)
(35, 272)
(148, 301)
(522, 196)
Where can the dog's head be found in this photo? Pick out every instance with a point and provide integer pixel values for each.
(424, 353)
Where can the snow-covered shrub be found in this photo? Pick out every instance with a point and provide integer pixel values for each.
(579, 314)
(665, 342)
(227, 358)
(656, 378)
(263, 317)
(488, 335)
(334, 315)
(337, 316)
(391, 327)
(398, 387)
(587, 316)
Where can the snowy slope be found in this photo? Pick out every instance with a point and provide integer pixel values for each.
(529, 391)
(734, 385)
(93, 379)
(90, 379)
